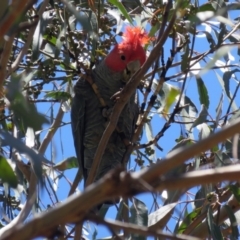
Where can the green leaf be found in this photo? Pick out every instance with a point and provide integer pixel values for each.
(80, 16)
(214, 230)
(45, 19)
(7, 174)
(204, 131)
(182, 144)
(131, 4)
(120, 210)
(200, 197)
(188, 220)
(226, 78)
(156, 220)
(233, 221)
(35, 159)
(170, 99)
(203, 92)
(233, 103)
(165, 97)
(64, 96)
(201, 118)
(236, 191)
(219, 110)
(188, 114)
(25, 113)
(222, 159)
(150, 136)
(185, 59)
(122, 9)
(153, 30)
(206, 7)
(67, 163)
(210, 39)
(50, 39)
(234, 116)
(222, 51)
(139, 216)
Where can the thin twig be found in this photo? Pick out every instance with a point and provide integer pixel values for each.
(54, 127)
(141, 230)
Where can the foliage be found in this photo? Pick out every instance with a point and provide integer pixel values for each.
(185, 183)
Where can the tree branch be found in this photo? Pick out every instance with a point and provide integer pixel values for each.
(180, 155)
(118, 183)
(141, 230)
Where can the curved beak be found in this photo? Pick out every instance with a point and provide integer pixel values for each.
(131, 68)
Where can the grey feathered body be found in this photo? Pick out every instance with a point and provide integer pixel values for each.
(88, 123)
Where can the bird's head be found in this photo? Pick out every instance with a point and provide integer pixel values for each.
(129, 50)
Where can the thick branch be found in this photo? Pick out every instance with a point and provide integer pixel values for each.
(119, 183)
(180, 155)
(201, 177)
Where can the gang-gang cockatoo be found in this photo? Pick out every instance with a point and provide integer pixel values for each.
(88, 122)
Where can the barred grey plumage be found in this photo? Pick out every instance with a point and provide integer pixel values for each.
(88, 122)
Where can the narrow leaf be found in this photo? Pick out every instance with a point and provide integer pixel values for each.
(219, 110)
(139, 216)
(156, 220)
(6, 173)
(122, 9)
(201, 118)
(226, 79)
(233, 221)
(218, 55)
(214, 230)
(64, 96)
(236, 191)
(67, 163)
(203, 92)
(188, 220)
(36, 159)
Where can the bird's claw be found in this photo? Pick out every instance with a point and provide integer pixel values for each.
(116, 95)
(106, 112)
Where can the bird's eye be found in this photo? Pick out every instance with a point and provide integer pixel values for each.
(123, 57)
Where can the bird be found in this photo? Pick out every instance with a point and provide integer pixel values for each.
(87, 119)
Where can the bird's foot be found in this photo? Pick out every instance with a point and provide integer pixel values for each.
(115, 97)
(106, 112)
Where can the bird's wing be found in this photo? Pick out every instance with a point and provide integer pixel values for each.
(78, 119)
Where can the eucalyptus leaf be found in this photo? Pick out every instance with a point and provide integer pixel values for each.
(201, 118)
(139, 216)
(218, 55)
(188, 220)
(67, 163)
(7, 174)
(122, 9)
(45, 19)
(233, 221)
(63, 96)
(156, 219)
(36, 159)
(214, 230)
(202, 91)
